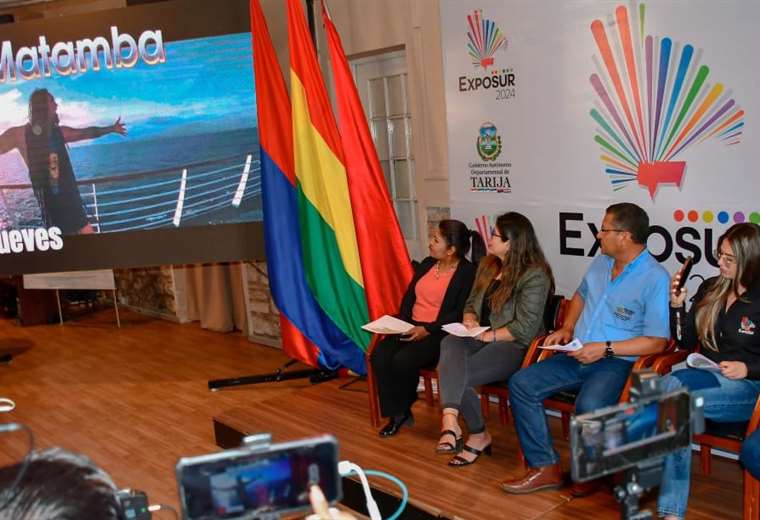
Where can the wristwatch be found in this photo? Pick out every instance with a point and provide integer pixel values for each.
(608, 351)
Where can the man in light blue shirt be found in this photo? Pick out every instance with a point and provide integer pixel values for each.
(619, 312)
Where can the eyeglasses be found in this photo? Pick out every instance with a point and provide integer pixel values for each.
(602, 230)
(728, 259)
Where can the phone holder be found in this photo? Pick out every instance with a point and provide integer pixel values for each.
(257, 441)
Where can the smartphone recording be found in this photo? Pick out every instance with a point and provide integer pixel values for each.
(249, 482)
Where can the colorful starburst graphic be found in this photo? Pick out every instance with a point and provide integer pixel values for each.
(652, 105)
(484, 38)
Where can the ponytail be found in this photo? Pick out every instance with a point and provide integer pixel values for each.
(478, 246)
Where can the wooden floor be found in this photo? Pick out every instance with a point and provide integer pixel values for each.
(467, 493)
(135, 399)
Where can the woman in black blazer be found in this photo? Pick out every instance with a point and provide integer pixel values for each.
(435, 296)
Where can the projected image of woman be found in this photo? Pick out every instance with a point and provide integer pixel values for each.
(435, 297)
(42, 144)
(725, 320)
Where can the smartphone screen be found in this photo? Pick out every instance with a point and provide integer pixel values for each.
(242, 483)
(616, 438)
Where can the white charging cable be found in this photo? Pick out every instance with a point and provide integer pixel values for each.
(345, 468)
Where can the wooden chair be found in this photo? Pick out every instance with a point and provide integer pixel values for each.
(554, 313)
(751, 484)
(374, 399)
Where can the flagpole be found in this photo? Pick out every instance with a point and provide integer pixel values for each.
(311, 17)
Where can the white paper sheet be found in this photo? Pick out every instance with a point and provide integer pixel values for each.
(568, 347)
(388, 325)
(458, 329)
(695, 360)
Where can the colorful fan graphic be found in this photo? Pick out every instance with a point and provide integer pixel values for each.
(652, 105)
(483, 39)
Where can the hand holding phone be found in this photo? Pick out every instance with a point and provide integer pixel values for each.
(678, 292)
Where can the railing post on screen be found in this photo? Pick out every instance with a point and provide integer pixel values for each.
(95, 206)
(5, 201)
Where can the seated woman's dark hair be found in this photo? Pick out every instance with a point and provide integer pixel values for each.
(524, 253)
(57, 484)
(456, 235)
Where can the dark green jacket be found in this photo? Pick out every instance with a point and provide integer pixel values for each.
(523, 313)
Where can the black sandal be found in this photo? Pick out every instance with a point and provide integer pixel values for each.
(459, 461)
(446, 448)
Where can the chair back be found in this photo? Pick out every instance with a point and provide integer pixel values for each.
(553, 312)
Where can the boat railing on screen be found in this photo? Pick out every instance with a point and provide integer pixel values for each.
(166, 197)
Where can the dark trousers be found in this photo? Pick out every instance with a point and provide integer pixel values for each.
(397, 365)
(467, 363)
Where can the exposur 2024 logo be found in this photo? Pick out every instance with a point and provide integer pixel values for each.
(484, 38)
(654, 102)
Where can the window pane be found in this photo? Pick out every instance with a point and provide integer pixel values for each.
(387, 173)
(402, 179)
(405, 213)
(399, 137)
(396, 96)
(377, 97)
(381, 138)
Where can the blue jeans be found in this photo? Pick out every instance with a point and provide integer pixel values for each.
(750, 454)
(600, 384)
(732, 401)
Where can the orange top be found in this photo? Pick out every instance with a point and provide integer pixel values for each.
(430, 290)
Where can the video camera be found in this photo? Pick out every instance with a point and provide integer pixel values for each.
(634, 437)
(259, 480)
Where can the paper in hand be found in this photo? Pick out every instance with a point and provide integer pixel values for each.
(568, 347)
(388, 325)
(696, 360)
(458, 329)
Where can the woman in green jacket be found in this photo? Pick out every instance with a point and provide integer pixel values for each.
(509, 296)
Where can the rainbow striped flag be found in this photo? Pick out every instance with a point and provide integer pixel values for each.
(328, 236)
(320, 324)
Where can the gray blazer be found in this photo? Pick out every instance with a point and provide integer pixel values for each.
(523, 313)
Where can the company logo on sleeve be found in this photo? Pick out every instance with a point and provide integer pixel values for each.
(746, 326)
(654, 102)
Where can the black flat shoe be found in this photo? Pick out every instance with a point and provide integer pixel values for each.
(446, 448)
(459, 461)
(395, 424)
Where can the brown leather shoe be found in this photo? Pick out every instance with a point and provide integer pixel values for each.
(546, 477)
(584, 489)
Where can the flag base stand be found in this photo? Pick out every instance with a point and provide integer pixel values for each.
(315, 375)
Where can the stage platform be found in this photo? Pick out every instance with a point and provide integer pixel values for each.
(435, 489)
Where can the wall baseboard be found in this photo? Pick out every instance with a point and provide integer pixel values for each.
(151, 313)
(265, 340)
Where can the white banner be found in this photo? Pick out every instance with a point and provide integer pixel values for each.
(559, 109)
